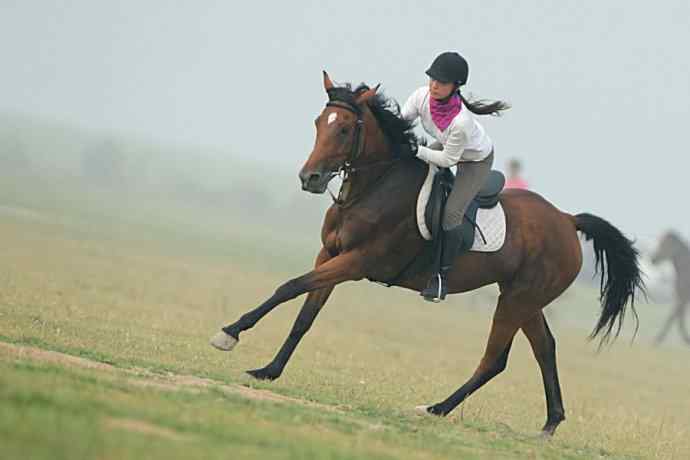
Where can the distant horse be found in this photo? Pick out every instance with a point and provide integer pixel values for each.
(370, 232)
(673, 248)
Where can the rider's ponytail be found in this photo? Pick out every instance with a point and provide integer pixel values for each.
(484, 107)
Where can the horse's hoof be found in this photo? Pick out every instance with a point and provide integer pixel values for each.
(547, 432)
(263, 374)
(434, 411)
(543, 436)
(223, 341)
(423, 411)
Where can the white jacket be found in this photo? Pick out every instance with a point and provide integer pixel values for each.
(463, 140)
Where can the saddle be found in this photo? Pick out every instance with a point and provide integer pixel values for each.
(442, 185)
(486, 198)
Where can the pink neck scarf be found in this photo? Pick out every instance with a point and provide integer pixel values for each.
(443, 113)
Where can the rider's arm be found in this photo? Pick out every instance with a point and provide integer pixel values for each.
(452, 149)
(410, 110)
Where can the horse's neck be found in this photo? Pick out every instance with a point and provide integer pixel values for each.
(681, 257)
(375, 162)
(380, 172)
(363, 180)
(389, 183)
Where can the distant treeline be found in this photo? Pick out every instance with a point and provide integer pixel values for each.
(31, 147)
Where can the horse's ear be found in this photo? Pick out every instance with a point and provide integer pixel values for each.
(327, 83)
(368, 94)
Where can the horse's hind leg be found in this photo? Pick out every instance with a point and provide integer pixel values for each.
(505, 325)
(329, 272)
(682, 324)
(675, 316)
(311, 308)
(544, 348)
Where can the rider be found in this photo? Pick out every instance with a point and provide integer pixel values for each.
(448, 117)
(514, 179)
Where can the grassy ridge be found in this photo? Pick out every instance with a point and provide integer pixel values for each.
(111, 418)
(143, 283)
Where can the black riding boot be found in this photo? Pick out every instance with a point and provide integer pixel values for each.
(437, 287)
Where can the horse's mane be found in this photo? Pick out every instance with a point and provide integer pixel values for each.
(385, 110)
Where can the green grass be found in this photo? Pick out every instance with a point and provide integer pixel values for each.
(61, 412)
(146, 293)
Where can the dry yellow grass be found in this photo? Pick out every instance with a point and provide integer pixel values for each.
(151, 303)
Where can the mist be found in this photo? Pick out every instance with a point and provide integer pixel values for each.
(599, 91)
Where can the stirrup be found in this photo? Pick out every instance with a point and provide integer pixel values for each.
(435, 293)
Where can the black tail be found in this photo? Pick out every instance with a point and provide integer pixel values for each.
(617, 261)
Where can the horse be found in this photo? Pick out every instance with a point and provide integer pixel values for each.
(370, 232)
(672, 247)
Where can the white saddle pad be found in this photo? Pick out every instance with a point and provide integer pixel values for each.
(492, 222)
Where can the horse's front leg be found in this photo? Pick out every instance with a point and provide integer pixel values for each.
(344, 267)
(312, 306)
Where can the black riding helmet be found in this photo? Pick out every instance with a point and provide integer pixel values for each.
(449, 67)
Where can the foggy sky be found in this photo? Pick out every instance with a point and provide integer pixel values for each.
(600, 89)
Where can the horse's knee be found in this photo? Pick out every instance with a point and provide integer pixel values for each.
(501, 363)
(302, 325)
(493, 368)
(547, 351)
(290, 289)
(304, 320)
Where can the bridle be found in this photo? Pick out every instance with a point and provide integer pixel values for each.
(357, 145)
(347, 169)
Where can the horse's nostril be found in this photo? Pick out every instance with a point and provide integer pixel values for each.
(309, 178)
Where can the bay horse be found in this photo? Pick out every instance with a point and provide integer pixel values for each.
(370, 232)
(673, 248)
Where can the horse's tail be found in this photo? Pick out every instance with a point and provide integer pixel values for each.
(617, 262)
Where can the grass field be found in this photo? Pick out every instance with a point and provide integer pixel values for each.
(136, 295)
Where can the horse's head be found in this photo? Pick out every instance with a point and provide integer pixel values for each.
(668, 246)
(340, 135)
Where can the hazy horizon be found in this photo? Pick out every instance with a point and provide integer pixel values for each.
(599, 91)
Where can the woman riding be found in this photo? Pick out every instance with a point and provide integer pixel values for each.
(448, 117)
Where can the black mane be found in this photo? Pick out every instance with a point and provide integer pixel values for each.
(385, 110)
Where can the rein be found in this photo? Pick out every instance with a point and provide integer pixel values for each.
(343, 199)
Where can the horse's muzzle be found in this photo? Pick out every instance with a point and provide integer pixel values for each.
(314, 181)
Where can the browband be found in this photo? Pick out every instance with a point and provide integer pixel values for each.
(344, 105)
